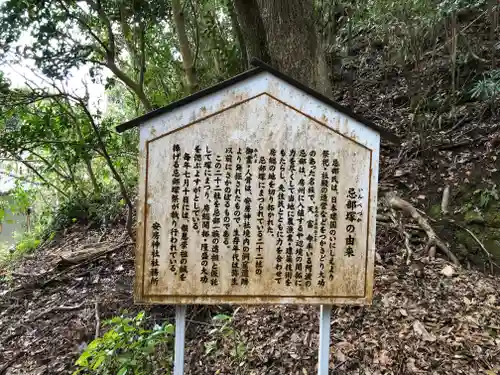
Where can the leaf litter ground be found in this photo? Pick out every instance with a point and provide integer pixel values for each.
(438, 324)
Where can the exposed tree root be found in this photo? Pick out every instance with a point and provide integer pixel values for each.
(446, 200)
(97, 320)
(85, 260)
(397, 203)
(57, 308)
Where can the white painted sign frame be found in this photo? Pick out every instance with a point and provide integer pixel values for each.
(263, 83)
(262, 80)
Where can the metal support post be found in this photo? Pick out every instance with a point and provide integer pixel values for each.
(325, 316)
(180, 327)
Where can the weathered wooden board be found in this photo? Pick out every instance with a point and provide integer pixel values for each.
(258, 201)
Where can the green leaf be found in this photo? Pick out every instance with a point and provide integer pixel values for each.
(169, 329)
(150, 348)
(83, 359)
(122, 371)
(98, 362)
(221, 317)
(140, 315)
(124, 359)
(241, 349)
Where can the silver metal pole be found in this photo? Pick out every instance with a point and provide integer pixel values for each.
(325, 316)
(180, 327)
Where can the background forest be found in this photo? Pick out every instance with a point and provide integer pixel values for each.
(78, 69)
(428, 70)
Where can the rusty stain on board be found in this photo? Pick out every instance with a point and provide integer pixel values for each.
(257, 202)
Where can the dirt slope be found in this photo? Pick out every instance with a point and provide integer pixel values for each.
(435, 325)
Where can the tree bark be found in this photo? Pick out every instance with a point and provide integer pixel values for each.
(187, 55)
(238, 34)
(134, 86)
(252, 27)
(292, 39)
(493, 27)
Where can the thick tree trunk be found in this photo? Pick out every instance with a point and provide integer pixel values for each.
(253, 30)
(187, 56)
(291, 38)
(238, 34)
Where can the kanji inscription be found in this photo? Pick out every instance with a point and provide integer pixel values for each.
(275, 212)
(311, 216)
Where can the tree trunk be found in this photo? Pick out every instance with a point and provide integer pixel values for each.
(238, 34)
(350, 71)
(252, 29)
(111, 166)
(187, 55)
(493, 34)
(453, 54)
(87, 159)
(90, 171)
(292, 40)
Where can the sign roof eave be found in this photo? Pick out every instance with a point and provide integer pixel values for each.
(259, 67)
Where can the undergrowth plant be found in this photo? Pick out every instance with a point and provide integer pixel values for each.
(404, 25)
(488, 87)
(13, 207)
(50, 215)
(129, 348)
(487, 195)
(225, 334)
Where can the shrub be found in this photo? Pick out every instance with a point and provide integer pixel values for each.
(128, 348)
(487, 88)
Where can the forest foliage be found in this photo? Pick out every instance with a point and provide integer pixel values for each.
(77, 168)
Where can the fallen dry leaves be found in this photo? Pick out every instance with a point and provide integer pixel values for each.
(438, 325)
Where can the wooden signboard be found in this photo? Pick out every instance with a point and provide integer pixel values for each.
(256, 191)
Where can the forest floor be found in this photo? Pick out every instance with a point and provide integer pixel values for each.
(442, 323)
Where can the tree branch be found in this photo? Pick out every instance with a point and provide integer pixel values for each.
(83, 24)
(138, 90)
(50, 165)
(111, 166)
(126, 35)
(44, 180)
(111, 50)
(86, 156)
(142, 60)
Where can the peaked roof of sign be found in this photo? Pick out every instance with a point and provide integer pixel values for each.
(259, 66)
